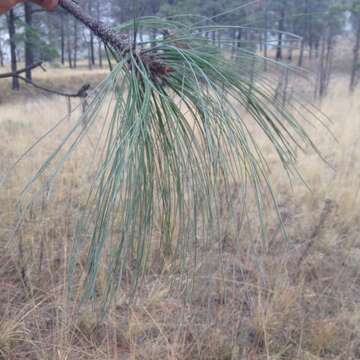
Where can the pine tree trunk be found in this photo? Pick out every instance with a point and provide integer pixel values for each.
(321, 86)
(92, 50)
(100, 54)
(91, 43)
(239, 38)
(233, 43)
(98, 16)
(12, 33)
(329, 61)
(69, 48)
(266, 35)
(280, 34)
(1, 56)
(29, 56)
(311, 39)
(62, 39)
(213, 36)
(76, 35)
(301, 56)
(290, 53)
(356, 59)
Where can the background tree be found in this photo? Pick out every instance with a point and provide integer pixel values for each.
(331, 23)
(43, 36)
(2, 42)
(355, 20)
(29, 56)
(12, 41)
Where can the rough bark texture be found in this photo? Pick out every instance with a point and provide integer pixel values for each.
(266, 21)
(91, 43)
(325, 65)
(76, 43)
(29, 56)
(301, 56)
(1, 56)
(112, 38)
(98, 16)
(280, 33)
(11, 28)
(62, 39)
(356, 58)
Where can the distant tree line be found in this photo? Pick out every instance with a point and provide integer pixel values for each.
(29, 34)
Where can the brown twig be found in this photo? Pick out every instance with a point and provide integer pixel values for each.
(20, 71)
(81, 93)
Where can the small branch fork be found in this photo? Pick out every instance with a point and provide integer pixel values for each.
(118, 41)
(81, 93)
(20, 71)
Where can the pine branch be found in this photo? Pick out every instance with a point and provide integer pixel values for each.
(20, 71)
(81, 93)
(116, 40)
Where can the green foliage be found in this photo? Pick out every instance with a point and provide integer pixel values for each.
(355, 7)
(175, 138)
(42, 50)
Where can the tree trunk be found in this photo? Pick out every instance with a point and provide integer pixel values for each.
(92, 50)
(1, 56)
(219, 39)
(100, 54)
(321, 82)
(329, 61)
(306, 34)
(266, 35)
(12, 33)
(317, 47)
(325, 65)
(280, 34)
(213, 36)
(290, 53)
(69, 47)
(98, 16)
(355, 62)
(76, 35)
(62, 39)
(66, 42)
(301, 56)
(239, 38)
(311, 38)
(91, 44)
(29, 56)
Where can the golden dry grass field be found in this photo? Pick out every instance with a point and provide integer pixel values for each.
(268, 298)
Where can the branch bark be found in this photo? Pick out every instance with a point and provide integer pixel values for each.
(116, 40)
(81, 93)
(20, 71)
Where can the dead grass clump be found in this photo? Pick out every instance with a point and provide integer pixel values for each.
(253, 297)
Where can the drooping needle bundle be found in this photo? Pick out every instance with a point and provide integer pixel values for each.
(175, 139)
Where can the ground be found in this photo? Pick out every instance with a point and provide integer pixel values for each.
(270, 297)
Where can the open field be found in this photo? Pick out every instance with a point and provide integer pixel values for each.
(267, 298)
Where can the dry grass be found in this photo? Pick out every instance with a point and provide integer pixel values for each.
(54, 78)
(266, 299)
